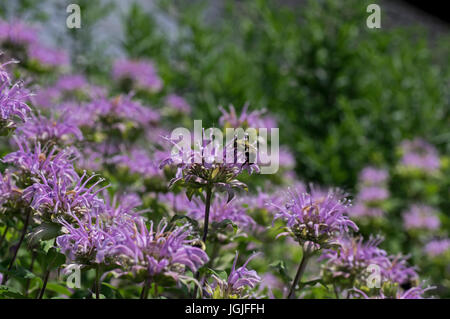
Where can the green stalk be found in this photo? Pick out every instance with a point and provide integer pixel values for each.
(298, 275)
(16, 250)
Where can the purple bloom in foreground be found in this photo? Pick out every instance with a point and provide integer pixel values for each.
(237, 282)
(160, 251)
(57, 196)
(86, 241)
(315, 222)
(39, 161)
(349, 263)
(421, 217)
(412, 293)
(399, 271)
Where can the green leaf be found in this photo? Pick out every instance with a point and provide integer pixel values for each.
(8, 292)
(59, 289)
(224, 223)
(281, 268)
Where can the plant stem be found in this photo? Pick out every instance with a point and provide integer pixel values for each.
(27, 286)
(207, 208)
(205, 229)
(24, 231)
(97, 282)
(145, 289)
(300, 270)
(336, 292)
(44, 285)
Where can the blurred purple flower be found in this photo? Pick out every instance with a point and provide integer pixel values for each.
(315, 222)
(373, 194)
(178, 104)
(419, 154)
(48, 57)
(17, 32)
(373, 176)
(254, 119)
(437, 247)
(421, 217)
(142, 73)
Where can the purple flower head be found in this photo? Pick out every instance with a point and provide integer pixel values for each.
(178, 104)
(398, 271)
(142, 74)
(438, 247)
(349, 263)
(373, 176)
(86, 241)
(209, 164)
(254, 119)
(421, 217)
(315, 221)
(8, 190)
(412, 293)
(238, 281)
(160, 251)
(419, 154)
(39, 161)
(13, 101)
(57, 196)
(60, 130)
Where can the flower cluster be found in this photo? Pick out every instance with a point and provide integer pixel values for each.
(13, 101)
(235, 285)
(315, 221)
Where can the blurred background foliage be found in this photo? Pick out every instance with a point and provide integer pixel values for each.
(346, 95)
